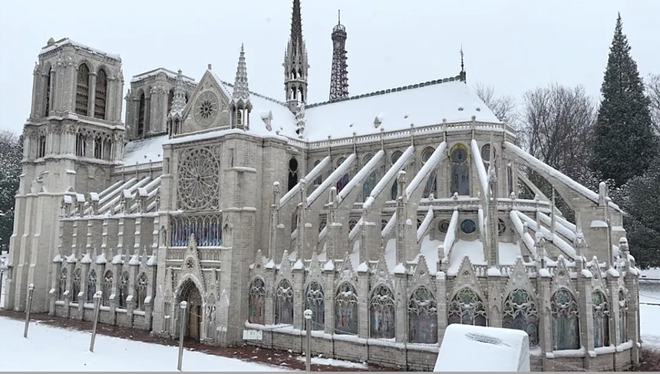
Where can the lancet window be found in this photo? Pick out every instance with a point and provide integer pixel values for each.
(141, 291)
(467, 308)
(284, 303)
(565, 326)
(101, 94)
(381, 313)
(601, 316)
(623, 317)
(257, 301)
(422, 317)
(123, 290)
(61, 283)
(293, 173)
(520, 312)
(346, 317)
(460, 171)
(314, 301)
(82, 90)
(206, 227)
(106, 288)
(91, 286)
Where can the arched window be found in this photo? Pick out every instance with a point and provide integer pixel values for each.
(343, 181)
(91, 286)
(98, 146)
(82, 90)
(381, 313)
(395, 186)
(601, 315)
(430, 187)
(509, 178)
(41, 149)
(81, 145)
(123, 290)
(106, 288)
(61, 284)
(239, 117)
(346, 316)
(141, 115)
(170, 100)
(141, 291)
(467, 308)
(565, 326)
(422, 317)
(75, 287)
(369, 184)
(623, 317)
(485, 155)
(520, 312)
(48, 89)
(460, 171)
(101, 94)
(284, 303)
(293, 173)
(318, 179)
(302, 95)
(314, 302)
(107, 149)
(351, 223)
(257, 302)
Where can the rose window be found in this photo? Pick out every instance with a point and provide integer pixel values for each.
(199, 179)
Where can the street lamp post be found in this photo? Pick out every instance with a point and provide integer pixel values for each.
(28, 306)
(97, 308)
(308, 354)
(182, 331)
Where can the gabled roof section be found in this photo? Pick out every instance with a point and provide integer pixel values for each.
(53, 45)
(144, 151)
(421, 104)
(169, 73)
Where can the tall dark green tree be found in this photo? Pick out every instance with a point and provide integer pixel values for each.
(11, 151)
(624, 141)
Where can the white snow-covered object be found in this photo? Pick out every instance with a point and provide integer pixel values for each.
(480, 348)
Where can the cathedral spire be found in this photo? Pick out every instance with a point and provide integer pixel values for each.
(462, 74)
(174, 117)
(295, 63)
(339, 73)
(241, 91)
(240, 98)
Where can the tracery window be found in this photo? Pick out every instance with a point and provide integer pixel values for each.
(485, 155)
(422, 317)
(318, 179)
(91, 286)
(623, 317)
(520, 312)
(565, 326)
(431, 182)
(395, 187)
(601, 316)
(284, 303)
(107, 149)
(141, 115)
(314, 297)
(369, 184)
(198, 179)
(346, 316)
(257, 301)
(123, 289)
(467, 308)
(141, 291)
(75, 287)
(293, 173)
(106, 289)
(381, 308)
(101, 94)
(460, 171)
(61, 283)
(206, 227)
(82, 90)
(98, 146)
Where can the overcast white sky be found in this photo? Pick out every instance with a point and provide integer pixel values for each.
(512, 45)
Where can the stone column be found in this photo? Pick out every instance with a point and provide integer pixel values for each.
(441, 303)
(632, 285)
(363, 304)
(92, 93)
(586, 318)
(298, 300)
(329, 301)
(401, 307)
(545, 318)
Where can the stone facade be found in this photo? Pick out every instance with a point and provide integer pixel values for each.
(253, 210)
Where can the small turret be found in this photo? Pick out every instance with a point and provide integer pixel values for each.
(240, 100)
(175, 116)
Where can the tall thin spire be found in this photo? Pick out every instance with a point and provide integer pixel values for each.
(241, 91)
(339, 72)
(295, 63)
(240, 98)
(179, 99)
(462, 74)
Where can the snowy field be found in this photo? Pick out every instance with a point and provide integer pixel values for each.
(649, 308)
(55, 349)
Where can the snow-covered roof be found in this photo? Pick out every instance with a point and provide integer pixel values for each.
(66, 41)
(143, 151)
(169, 73)
(420, 104)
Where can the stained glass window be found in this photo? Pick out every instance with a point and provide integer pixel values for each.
(100, 95)
(61, 285)
(467, 308)
(256, 301)
(623, 317)
(520, 312)
(314, 302)
(430, 187)
(141, 115)
(141, 291)
(460, 171)
(422, 317)
(293, 173)
(565, 326)
(284, 303)
(123, 289)
(381, 308)
(346, 317)
(601, 315)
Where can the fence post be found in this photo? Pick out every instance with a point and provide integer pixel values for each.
(27, 309)
(97, 307)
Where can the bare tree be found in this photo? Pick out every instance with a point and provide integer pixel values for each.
(504, 107)
(653, 93)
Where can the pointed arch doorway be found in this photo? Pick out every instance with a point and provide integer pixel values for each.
(190, 294)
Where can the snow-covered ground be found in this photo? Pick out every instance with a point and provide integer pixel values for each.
(649, 308)
(55, 349)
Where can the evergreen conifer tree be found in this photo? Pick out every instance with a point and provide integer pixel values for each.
(624, 142)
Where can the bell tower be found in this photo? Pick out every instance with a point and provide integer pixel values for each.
(72, 140)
